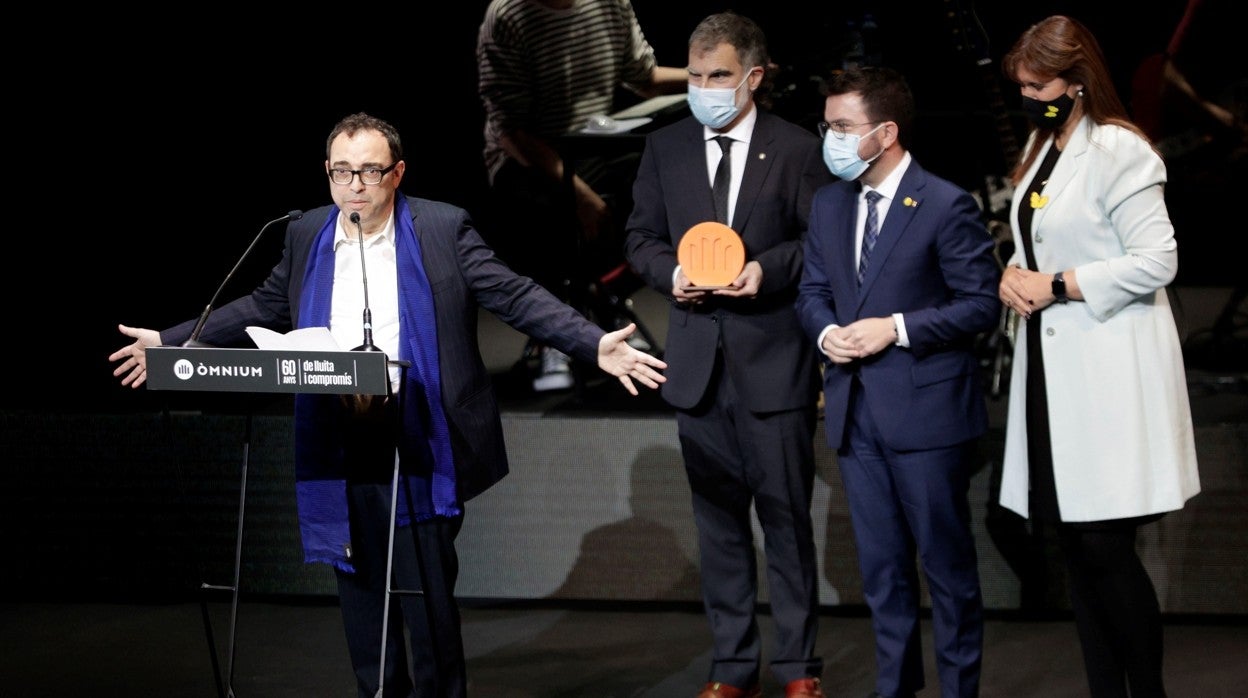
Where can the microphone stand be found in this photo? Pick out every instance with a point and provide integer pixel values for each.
(394, 485)
(225, 685)
(368, 314)
(226, 690)
(193, 341)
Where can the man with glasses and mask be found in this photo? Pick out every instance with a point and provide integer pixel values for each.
(744, 381)
(899, 278)
(428, 272)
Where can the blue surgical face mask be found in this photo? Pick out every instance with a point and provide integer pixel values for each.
(840, 154)
(715, 107)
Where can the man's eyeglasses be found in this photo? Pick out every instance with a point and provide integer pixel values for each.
(368, 175)
(839, 128)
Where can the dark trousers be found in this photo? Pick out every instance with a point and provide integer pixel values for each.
(903, 503)
(1113, 599)
(424, 559)
(735, 458)
(1116, 608)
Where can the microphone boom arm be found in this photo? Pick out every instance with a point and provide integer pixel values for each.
(368, 314)
(193, 340)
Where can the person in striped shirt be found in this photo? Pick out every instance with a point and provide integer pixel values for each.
(545, 67)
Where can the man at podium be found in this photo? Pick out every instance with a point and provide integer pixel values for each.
(430, 271)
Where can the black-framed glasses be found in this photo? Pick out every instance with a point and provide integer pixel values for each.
(368, 175)
(840, 128)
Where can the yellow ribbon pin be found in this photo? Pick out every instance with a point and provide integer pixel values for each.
(909, 202)
(1038, 201)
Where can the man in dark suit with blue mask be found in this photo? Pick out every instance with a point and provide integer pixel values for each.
(899, 278)
(743, 378)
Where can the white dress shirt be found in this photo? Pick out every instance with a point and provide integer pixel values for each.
(379, 269)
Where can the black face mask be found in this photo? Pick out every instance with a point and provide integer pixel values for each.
(1051, 114)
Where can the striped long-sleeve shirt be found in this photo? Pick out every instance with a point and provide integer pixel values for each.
(548, 70)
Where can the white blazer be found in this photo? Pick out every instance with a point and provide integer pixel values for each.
(1119, 415)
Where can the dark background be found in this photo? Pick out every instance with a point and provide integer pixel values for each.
(151, 148)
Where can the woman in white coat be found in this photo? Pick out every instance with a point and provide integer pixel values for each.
(1099, 435)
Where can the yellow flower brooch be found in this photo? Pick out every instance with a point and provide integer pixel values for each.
(1038, 201)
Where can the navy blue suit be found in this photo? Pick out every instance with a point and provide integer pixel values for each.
(744, 381)
(904, 420)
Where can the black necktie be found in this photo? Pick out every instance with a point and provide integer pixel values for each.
(869, 235)
(723, 180)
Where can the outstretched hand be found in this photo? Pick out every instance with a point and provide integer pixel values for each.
(617, 357)
(133, 357)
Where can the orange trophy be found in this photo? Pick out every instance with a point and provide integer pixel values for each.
(711, 254)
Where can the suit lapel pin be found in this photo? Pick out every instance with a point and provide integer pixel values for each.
(1038, 201)
(912, 203)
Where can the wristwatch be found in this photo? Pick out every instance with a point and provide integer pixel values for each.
(1059, 288)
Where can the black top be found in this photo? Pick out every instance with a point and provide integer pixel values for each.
(1039, 447)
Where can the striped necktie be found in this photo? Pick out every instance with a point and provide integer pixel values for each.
(870, 234)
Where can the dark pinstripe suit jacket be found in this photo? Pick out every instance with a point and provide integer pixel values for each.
(464, 275)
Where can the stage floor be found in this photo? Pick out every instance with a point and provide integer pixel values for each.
(66, 629)
(296, 650)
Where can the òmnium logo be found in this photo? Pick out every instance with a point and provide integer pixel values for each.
(183, 369)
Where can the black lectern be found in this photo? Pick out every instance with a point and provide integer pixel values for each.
(268, 371)
(275, 371)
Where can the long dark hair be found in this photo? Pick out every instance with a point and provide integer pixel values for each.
(1061, 47)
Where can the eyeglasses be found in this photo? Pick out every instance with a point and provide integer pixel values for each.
(839, 128)
(368, 175)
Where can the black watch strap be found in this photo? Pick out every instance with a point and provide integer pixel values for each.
(1059, 288)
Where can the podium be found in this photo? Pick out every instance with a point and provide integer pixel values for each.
(212, 369)
(268, 371)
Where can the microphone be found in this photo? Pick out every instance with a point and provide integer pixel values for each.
(368, 314)
(193, 340)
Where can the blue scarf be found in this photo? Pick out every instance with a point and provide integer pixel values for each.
(427, 464)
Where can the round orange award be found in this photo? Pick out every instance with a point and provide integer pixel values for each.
(711, 254)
